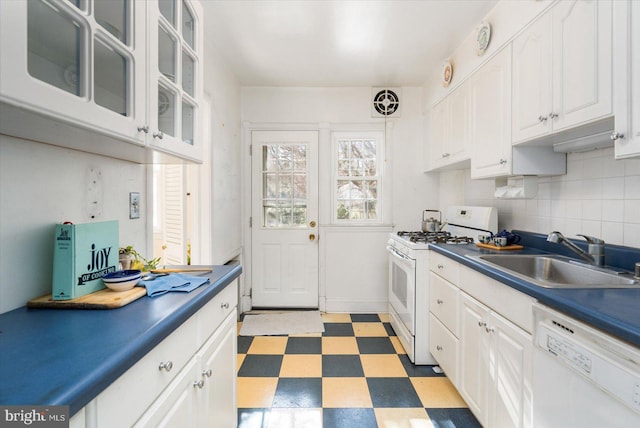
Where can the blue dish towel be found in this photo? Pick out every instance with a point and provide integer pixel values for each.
(173, 282)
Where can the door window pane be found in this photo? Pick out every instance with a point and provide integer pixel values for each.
(285, 185)
(168, 10)
(112, 16)
(188, 25)
(188, 73)
(166, 111)
(110, 78)
(54, 47)
(166, 54)
(187, 123)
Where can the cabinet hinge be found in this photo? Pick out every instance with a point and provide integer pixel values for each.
(250, 149)
(250, 221)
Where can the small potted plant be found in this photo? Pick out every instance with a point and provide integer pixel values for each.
(129, 258)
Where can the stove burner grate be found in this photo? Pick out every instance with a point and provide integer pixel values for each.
(441, 237)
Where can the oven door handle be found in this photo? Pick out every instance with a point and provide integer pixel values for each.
(398, 255)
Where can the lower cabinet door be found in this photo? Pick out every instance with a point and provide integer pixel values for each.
(177, 405)
(218, 357)
(443, 345)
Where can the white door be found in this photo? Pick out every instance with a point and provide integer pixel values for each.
(284, 215)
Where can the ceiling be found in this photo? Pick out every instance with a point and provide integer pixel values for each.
(339, 43)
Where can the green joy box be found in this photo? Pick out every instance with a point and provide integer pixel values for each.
(82, 255)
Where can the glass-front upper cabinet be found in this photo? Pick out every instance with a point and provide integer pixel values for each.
(79, 62)
(175, 77)
(119, 78)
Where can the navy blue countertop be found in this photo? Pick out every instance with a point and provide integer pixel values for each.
(615, 311)
(69, 356)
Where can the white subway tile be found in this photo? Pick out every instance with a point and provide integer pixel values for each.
(632, 187)
(592, 228)
(592, 210)
(574, 210)
(613, 210)
(632, 211)
(613, 188)
(612, 233)
(632, 235)
(592, 188)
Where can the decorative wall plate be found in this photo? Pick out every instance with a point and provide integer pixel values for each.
(447, 73)
(483, 37)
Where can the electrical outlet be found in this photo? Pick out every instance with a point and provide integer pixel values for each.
(134, 205)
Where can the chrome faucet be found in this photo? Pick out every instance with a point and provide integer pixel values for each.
(595, 250)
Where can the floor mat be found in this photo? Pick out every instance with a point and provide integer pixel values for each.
(279, 323)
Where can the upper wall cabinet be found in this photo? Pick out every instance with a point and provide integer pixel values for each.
(84, 74)
(627, 79)
(449, 144)
(492, 152)
(562, 74)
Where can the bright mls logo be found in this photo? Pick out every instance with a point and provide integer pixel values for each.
(35, 416)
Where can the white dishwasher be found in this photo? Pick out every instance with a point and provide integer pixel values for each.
(582, 377)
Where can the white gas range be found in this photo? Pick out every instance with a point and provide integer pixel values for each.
(409, 273)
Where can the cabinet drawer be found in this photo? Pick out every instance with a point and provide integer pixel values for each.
(444, 266)
(512, 304)
(214, 312)
(443, 302)
(444, 347)
(138, 387)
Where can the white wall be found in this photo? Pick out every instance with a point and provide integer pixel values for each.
(341, 287)
(41, 185)
(221, 219)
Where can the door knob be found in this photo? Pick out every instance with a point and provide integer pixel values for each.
(312, 223)
(312, 237)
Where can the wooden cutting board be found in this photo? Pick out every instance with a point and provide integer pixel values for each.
(493, 247)
(103, 299)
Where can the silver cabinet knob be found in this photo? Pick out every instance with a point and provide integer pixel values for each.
(225, 305)
(439, 348)
(489, 329)
(542, 118)
(198, 384)
(446, 155)
(440, 266)
(553, 115)
(159, 135)
(144, 129)
(503, 161)
(615, 135)
(482, 324)
(439, 301)
(206, 373)
(165, 366)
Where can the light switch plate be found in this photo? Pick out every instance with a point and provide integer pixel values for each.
(134, 205)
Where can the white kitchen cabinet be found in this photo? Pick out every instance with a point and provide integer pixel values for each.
(182, 380)
(443, 325)
(496, 367)
(492, 152)
(204, 392)
(490, 89)
(562, 74)
(449, 144)
(627, 79)
(76, 75)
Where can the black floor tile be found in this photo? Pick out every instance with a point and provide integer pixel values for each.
(338, 329)
(341, 366)
(298, 392)
(393, 392)
(261, 366)
(375, 345)
(348, 418)
(304, 345)
(450, 418)
(365, 318)
(418, 371)
(389, 329)
(244, 342)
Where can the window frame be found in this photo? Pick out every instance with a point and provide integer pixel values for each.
(379, 138)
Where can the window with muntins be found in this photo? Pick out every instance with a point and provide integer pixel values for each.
(357, 184)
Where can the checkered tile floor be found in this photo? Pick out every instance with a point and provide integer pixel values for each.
(356, 374)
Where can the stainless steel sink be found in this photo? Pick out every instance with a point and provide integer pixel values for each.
(556, 271)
